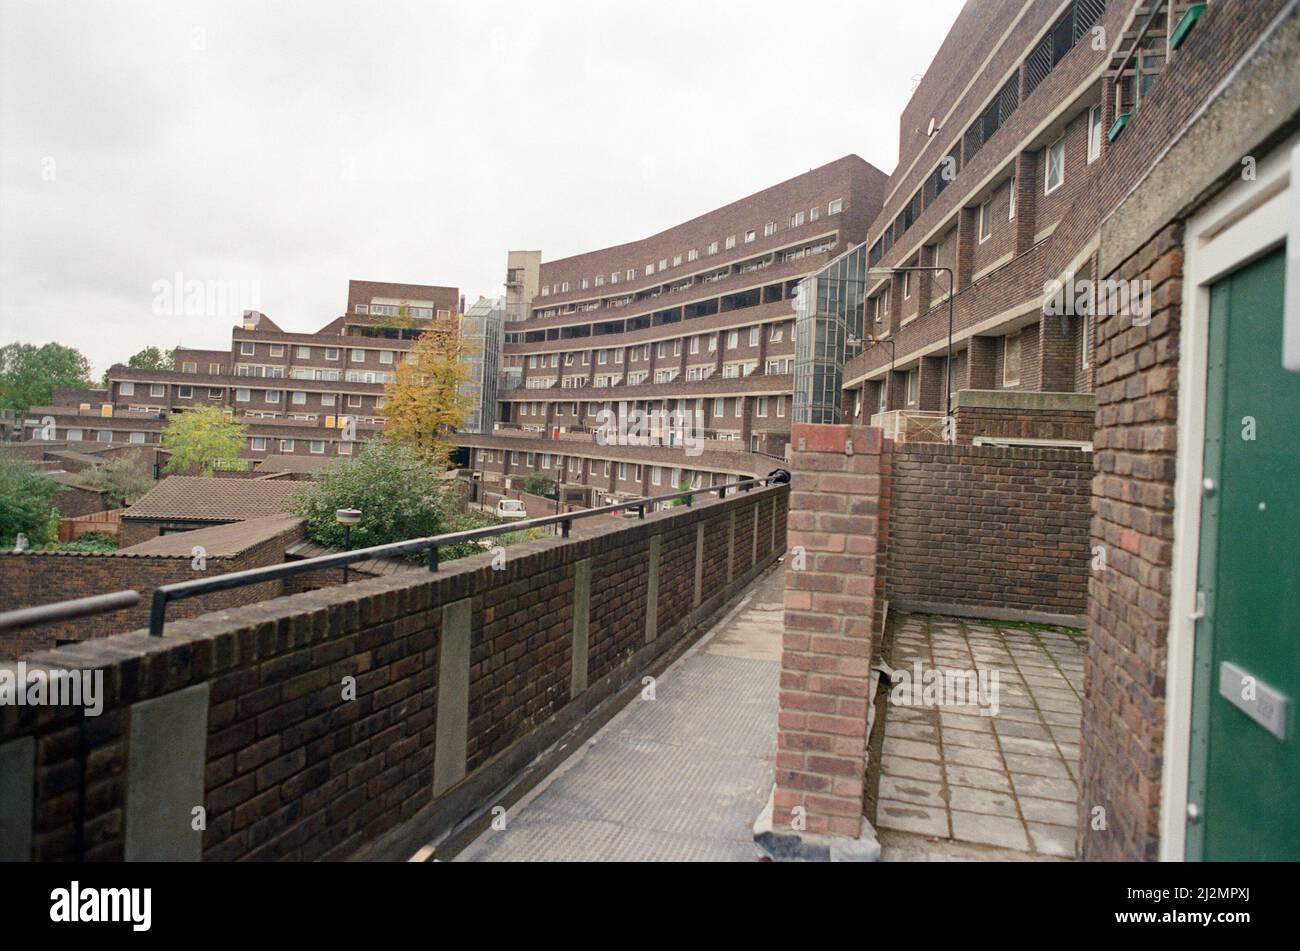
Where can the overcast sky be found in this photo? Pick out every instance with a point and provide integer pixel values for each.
(295, 145)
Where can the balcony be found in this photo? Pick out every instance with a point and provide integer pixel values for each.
(910, 425)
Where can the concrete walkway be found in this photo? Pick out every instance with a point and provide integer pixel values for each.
(677, 775)
(958, 783)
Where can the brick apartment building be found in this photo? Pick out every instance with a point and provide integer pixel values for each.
(295, 392)
(1002, 151)
(697, 319)
(1147, 141)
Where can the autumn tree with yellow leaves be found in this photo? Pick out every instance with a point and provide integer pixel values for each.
(427, 399)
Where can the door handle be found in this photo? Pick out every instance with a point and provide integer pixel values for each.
(1199, 611)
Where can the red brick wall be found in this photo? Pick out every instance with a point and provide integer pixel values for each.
(1132, 522)
(38, 578)
(986, 527)
(295, 772)
(972, 421)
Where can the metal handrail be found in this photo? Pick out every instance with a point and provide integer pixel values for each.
(1134, 56)
(178, 591)
(68, 610)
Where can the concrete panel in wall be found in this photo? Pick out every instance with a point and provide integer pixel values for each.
(166, 766)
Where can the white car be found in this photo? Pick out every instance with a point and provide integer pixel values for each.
(511, 509)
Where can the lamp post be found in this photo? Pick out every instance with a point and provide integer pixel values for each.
(347, 518)
(952, 293)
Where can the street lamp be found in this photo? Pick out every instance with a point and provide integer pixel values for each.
(347, 518)
(952, 288)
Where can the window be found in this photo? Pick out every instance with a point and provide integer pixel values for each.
(1094, 134)
(185, 392)
(317, 446)
(331, 353)
(769, 229)
(663, 349)
(740, 406)
(1055, 176)
(188, 367)
(780, 406)
(754, 334)
(733, 340)
(242, 396)
(286, 445)
(273, 396)
(777, 334)
(814, 213)
(277, 349)
(1011, 211)
(327, 399)
(663, 264)
(731, 242)
(303, 353)
(656, 475)
(713, 342)
(796, 219)
(649, 269)
(358, 356)
(1011, 360)
(105, 435)
(214, 369)
(677, 260)
(835, 207)
(386, 356)
(913, 386)
(907, 285)
(631, 274)
(692, 255)
(299, 399)
(1085, 342)
(762, 407)
(986, 227)
(136, 437)
(750, 236)
(618, 355)
(695, 345)
(354, 399)
(719, 407)
(157, 389)
(622, 470)
(258, 444)
(126, 389)
(247, 349)
(345, 449)
(74, 435)
(565, 287)
(713, 247)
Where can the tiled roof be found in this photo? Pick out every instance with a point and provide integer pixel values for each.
(288, 463)
(195, 498)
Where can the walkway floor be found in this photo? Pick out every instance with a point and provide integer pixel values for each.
(679, 777)
(957, 783)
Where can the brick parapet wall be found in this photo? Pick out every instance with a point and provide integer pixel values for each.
(292, 770)
(987, 528)
(996, 423)
(832, 612)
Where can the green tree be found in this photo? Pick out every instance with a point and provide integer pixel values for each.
(205, 439)
(30, 374)
(400, 496)
(538, 484)
(151, 358)
(120, 481)
(26, 506)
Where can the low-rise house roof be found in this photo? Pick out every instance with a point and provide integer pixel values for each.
(199, 499)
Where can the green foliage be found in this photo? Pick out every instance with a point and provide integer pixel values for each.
(151, 358)
(203, 438)
(476, 519)
(91, 541)
(684, 486)
(29, 374)
(120, 481)
(400, 496)
(538, 484)
(27, 506)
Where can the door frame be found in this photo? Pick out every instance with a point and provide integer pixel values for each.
(1240, 225)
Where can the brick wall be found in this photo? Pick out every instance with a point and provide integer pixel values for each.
(292, 770)
(1132, 520)
(989, 528)
(36, 578)
(832, 603)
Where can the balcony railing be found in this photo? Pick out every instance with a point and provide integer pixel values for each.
(907, 425)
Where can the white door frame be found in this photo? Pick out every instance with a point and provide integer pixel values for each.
(1246, 221)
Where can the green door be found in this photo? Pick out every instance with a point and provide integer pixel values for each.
(1244, 790)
